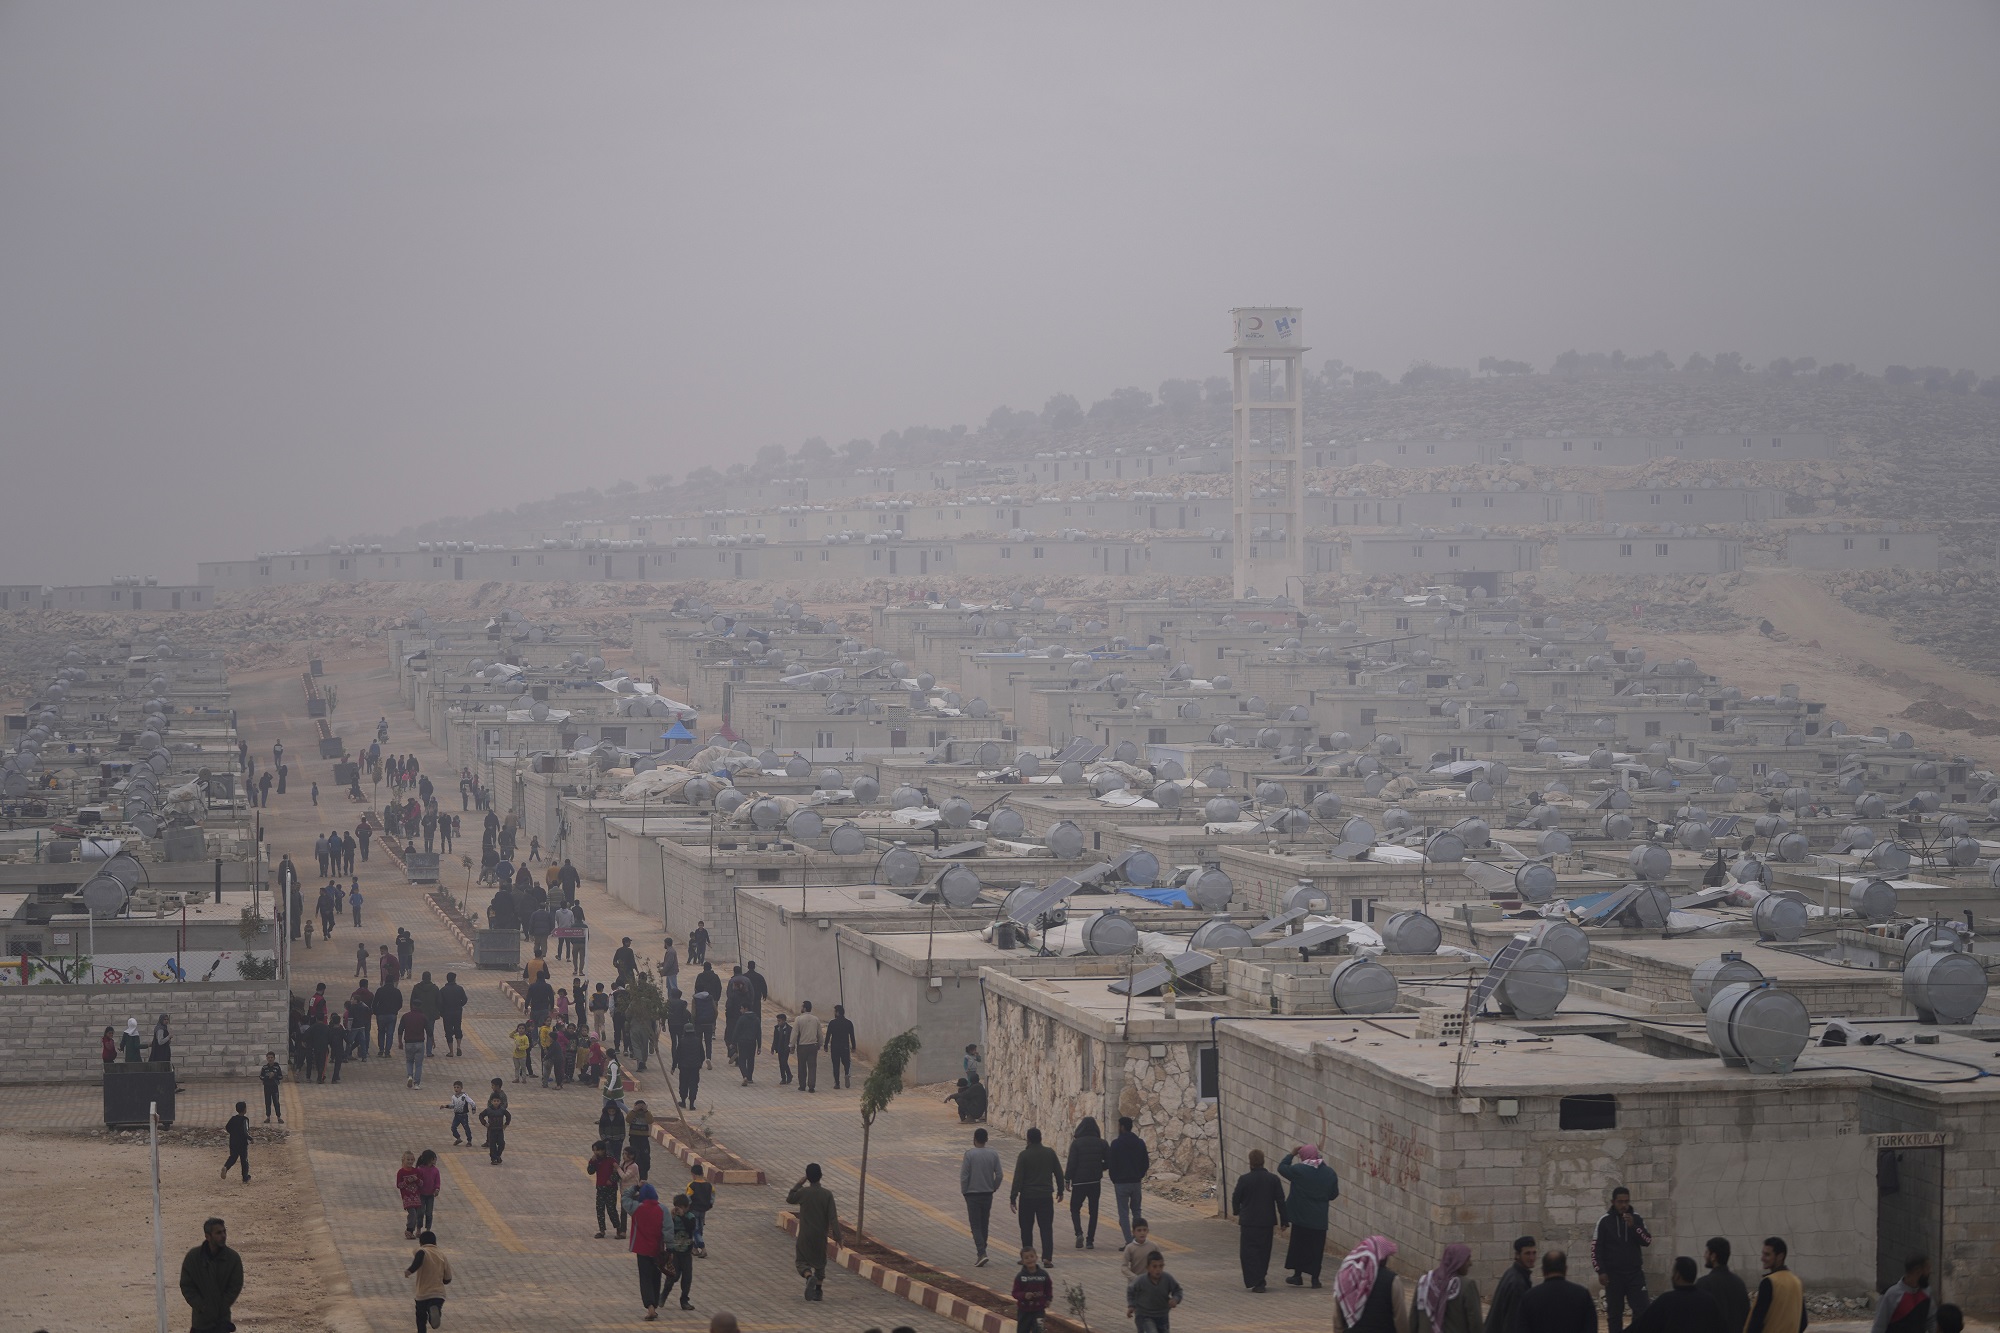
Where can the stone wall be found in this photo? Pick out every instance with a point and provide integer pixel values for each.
(49, 1034)
(1050, 1072)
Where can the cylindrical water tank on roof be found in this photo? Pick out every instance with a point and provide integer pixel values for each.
(1754, 1024)
(1780, 916)
(1872, 898)
(1411, 933)
(1219, 932)
(1534, 985)
(1944, 984)
(1567, 942)
(1712, 974)
(1109, 933)
(1362, 986)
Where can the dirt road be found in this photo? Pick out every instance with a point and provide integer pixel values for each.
(1833, 654)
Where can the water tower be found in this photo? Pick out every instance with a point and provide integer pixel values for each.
(1267, 471)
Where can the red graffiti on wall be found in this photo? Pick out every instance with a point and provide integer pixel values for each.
(1394, 1156)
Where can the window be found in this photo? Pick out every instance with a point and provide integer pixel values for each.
(1775, 442)
(1215, 553)
(826, 555)
(1402, 622)
(1457, 502)
(1882, 544)
(437, 561)
(1558, 689)
(1652, 499)
(1624, 548)
(1208, 1074)
(612, 735)
(1402, 448)
(1588, 1110)
(1847, 543)
(1659, 548)
(1506, 446)
(515, 559)
(1430, 448)
(822, 740)
(798, 555)
(1006, 553)
(1417, 550)
(1687, 497)
(1746, 444)
(1367, 717)
(1038, 553)
(1451, 552)
(1487, 502)
(1569, 446)
(1717, 724)
(1156, 735)
(1597, 446)
(875, 554)
(1652, 728)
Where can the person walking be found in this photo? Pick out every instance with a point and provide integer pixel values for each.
(683, 1239)
(806, 1034)
(1617, 1252)
(629, 1181)
(639, 1136)
(979, 1179)
(602, 1168)
(424, 1001)
(611, 1126)
(1447, 1299)
(1151, 1296)
(670, 968)
(819, 1224)
(1364, 1289)
(840, 1047)
(745, 1036)
(238, 1130)
(409, 1189)
(1517, 1281)
(1128, 1164)
(697, 941)
(271, 1075)
(1088, 1156)
(129, 1045)
(354, 905)
(600, 1008)
(1314, 1186)
(1780, 1303)
(1685, 1308)
(647, 1230)
(1132, 1259)
(211, 1280)
(162, 1051)
(1258, 1204)
(451, 1002)
(1722, 1285)
(1032, 1289)
(687, 1058)
(700, 1195)
(781, 1046)
(430, 1183)
(1038, 1184)
(429, 1273)
(411, 1032)
(1557, 1305)
(496, 1117)
(388, 1004)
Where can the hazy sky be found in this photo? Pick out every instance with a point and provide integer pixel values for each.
(269, 272)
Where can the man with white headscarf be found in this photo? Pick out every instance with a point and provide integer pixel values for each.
(1365, 1291)
(1447, 1301)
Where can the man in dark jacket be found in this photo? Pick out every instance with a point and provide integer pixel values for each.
(1128, 1166)
(541, 1000)
(1684, 1309)
(1258, 1202)
(1038, 1183)
(211, 1280)
(1724, 1287)
(1512, 1286)
(1618, 1253)
(840, 1046)
(1558, 1305)
(1088, 1156)
(388, 1004)
(451, 1000)
(424, 1000)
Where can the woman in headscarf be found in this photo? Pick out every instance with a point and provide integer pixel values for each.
(1447, 1300)
(163, 1042)
(1365, 1291)
(646, 1227)
(130, 1042)
(1313, 1187)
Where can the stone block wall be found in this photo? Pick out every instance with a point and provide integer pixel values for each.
(49, 1034)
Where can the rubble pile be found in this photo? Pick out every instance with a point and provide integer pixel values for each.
(1952, 611)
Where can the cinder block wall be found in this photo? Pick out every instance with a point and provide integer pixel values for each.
(49, 1034)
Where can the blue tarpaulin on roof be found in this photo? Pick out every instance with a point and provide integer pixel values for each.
(1164, 897)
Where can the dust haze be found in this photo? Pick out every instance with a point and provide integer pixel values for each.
(277, 275)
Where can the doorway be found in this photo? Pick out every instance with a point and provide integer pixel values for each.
(1909, 1209)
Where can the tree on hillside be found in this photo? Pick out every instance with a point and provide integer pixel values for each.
(857, 450)
(815, 450)
(659, 481)
(704, 476)
(1493, 365)
(1216, 392)
(771, 455)
(1180, 396)
(1062, 412)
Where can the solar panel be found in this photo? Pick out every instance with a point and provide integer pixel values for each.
(1160, 973)
(1316, 936)
(1503, 960)
(1723, 826)
(1025, 912)
(1278, 923)
(1497, 881)
(1077, 748)
(1608, 907)
(958, 849)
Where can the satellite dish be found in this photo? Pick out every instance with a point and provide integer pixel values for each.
(1944, 984)
(1108, 934)
(1780, 916)
(1006, 822)
(847, 840)
(1211, 889)
(1219, 932)
(1065, 840)
(766, 814)
(1357, 830)
(1411, 933)
(804, 825)
(1362, 986)
(900, 867)
(1756, 1025)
